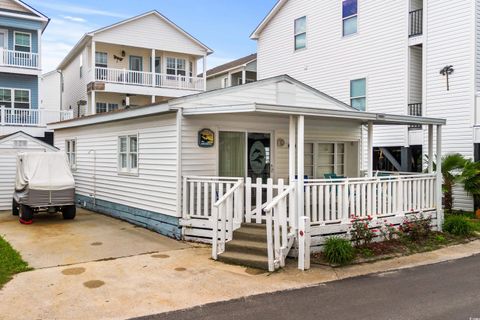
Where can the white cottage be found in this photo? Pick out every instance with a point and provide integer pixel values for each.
(235, 155)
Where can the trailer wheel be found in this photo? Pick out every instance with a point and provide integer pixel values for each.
(15, 208)
(69, 212)
(26, 214)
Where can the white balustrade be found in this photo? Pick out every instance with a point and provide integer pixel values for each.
(32, 117)
(21, 59)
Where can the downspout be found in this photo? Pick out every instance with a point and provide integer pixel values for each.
(94, 176)
(179, 117)
(61, 88)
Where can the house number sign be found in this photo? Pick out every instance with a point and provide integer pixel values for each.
(206, 138)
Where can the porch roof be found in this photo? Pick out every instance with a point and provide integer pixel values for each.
(361, 116)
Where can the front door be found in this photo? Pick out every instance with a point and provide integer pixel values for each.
(3, 45)
(259, 156)
(136, 64)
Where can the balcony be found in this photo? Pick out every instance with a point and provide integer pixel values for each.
(31, 117)
(148, 79)
(416, 23)
(19, 59)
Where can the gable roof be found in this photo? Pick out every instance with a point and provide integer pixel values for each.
(278, 6)
(29, 137)
(86, 37)
(29, 13)
(232, 65)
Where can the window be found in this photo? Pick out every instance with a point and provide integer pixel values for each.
(358, 94)
(6, 98)
(81, 66)
(71, 151)
(101, 59)
(22, 99)
(176, 66)
(350, 16)
(23, 41)
(190, 69)
(301, 33)
(128, 154)
(324, 159)
(101, 107)
(112, 107)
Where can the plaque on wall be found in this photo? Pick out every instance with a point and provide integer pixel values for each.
(206, 138)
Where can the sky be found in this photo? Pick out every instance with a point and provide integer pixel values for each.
(223, 25)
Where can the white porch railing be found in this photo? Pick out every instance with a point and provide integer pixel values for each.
(21, 59)
(331, 201)
(280, 232)
(149, 79)
(31, 117)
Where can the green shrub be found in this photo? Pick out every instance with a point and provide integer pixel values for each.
(458, 225)
(338, 251)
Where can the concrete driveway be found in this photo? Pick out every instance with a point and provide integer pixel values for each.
(51, 241)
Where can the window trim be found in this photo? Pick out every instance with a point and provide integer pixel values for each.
(295, 35)
(359, 97)
(349, 17)
(15, 38)
(12, 97)
(70, 153)
(101, 65)
(176, 67)
(129, 171)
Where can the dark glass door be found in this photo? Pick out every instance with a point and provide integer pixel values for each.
(259, 156)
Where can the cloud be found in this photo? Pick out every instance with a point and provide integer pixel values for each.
(74, 9)
(74, 19)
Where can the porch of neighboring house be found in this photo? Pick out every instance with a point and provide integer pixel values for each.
(257, 202)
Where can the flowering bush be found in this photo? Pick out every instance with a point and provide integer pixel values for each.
(417, 228)
(388, 231)
(360, 231)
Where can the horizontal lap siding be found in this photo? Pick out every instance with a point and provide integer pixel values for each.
(378, 52)
(198, 161)
(452, 43)
(154, 189)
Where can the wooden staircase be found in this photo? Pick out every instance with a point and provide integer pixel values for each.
(248, 247)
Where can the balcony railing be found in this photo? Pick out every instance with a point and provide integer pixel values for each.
(31, 117)
(416, 23)
(11, 58)
(148, 79)
(415, 109)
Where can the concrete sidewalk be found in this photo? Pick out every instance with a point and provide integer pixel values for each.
(154, 283)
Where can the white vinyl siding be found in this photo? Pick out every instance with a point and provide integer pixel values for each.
(153, 188)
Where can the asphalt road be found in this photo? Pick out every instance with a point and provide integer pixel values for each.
(449, 290)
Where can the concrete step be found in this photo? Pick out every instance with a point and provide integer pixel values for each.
(254, 226)
(250, 234)
(245, 259)
(246, 246)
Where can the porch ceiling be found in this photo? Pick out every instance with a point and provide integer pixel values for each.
(361, 116)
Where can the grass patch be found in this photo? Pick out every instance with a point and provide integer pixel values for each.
(10, 262)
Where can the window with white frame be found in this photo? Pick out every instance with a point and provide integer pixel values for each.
(323, 160)
(358, 94)
(21, 99)
(6, 97)
(71, 151)
(81, 66)
(101, 107)
(128, 154)
(176, 66)
(23, 41)
(350, 17)
(190, 68)
(300, 33)
(101, 59)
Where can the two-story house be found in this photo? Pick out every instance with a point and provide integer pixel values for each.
(407, 57)
(21, 29)
(139, 61)
(233, 73)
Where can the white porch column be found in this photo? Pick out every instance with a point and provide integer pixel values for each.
(439, 179)
(229, 80)
(370, 149)
(205, 72)
(292, 137)
(39, 41)
(244, 76)
(93, 104)
(152, 62)
(127, 101)
(153, 99)
(300, 165)
(430, 148)
(92, 60)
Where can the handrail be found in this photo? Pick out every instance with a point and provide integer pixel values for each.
(278, 198)
(366, 179)
(228, 193)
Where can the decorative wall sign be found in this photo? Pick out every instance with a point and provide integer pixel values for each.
(257, 157)
(206, 138)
